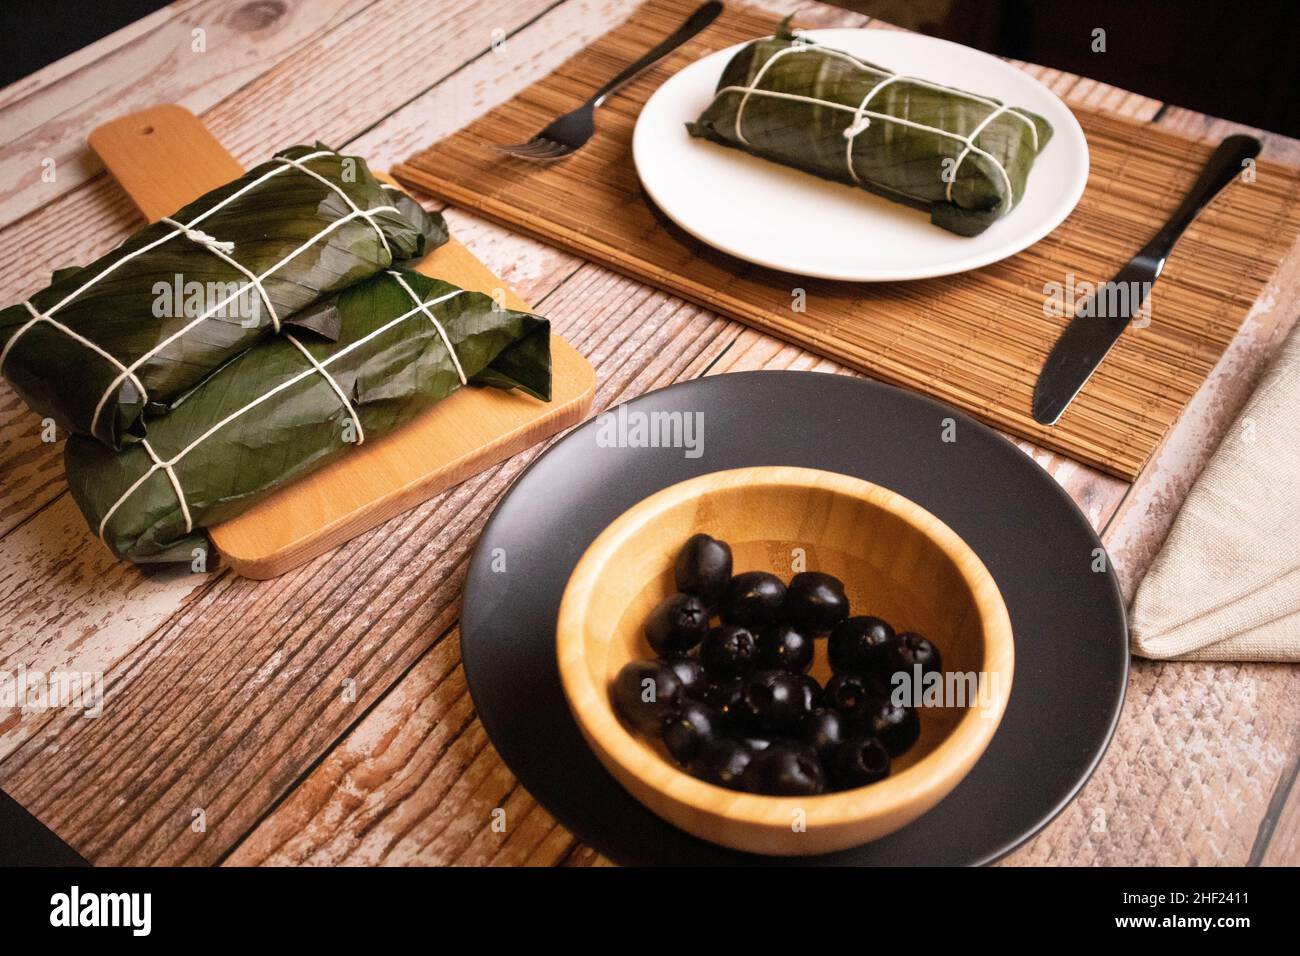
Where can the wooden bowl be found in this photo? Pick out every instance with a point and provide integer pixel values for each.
(896, 560)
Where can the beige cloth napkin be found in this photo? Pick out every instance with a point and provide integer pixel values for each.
(1226, 584)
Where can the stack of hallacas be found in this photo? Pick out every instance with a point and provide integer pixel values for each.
(248, 339)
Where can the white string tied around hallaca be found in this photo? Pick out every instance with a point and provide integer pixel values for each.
(862, 116)
(315, 367)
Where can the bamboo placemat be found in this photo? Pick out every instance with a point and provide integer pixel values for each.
(976, 340)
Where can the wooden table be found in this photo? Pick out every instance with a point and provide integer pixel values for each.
(323, 717)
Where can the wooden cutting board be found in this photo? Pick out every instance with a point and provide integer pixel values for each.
(164, 158)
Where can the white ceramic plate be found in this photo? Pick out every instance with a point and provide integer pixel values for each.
(785, 219)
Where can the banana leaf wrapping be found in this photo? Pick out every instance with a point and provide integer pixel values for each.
(107, 345)
(963, 158)
(274, 414)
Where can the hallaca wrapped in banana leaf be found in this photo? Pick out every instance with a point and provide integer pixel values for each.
(108, 344)
(962, 157)
(294, 403)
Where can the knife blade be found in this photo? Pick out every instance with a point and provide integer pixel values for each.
(1101, 318)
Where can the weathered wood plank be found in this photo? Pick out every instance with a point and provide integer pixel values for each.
(417, 782)
(1279, 843)
(346, 81)
(489, 79)
(69, 605)
(159, 59)
(1190, 773)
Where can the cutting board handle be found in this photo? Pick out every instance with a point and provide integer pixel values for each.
(169, 137)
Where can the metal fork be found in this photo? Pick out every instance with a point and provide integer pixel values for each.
(571, 131)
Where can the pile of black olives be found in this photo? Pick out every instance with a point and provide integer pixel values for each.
(732, 701)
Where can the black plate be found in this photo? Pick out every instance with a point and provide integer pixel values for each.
(1070, 633)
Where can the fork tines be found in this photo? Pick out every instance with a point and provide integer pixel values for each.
(539, 147)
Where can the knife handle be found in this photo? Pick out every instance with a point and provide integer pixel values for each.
(1223, 166)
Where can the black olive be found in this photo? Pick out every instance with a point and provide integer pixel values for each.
(687, 730)
(704, 568)
(722, 762)
(897, 726)
(857, 762)
(915, 649)
(786, 769)
(863, 645)
(815, 602)
(782, 648)
(847, 692)
(724, 696)
(823, 730)
(728, 651)
(773, 702)
(753, 599)
(813, 695)
(646, 693)
(677, 624)
(691, 672)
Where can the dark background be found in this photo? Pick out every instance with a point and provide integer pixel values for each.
(36, 32)
(1236, 60)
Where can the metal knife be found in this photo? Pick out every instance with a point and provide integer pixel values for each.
(1099, 320)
